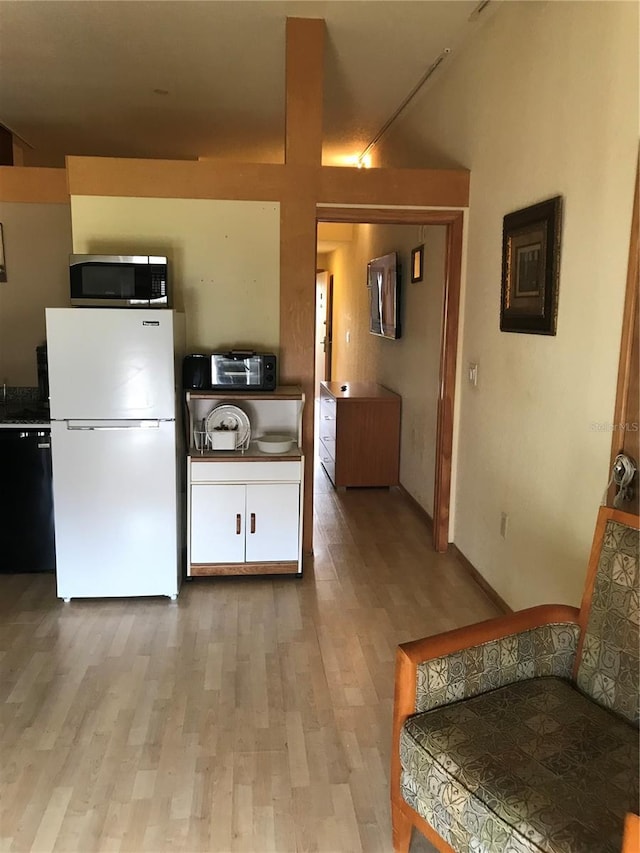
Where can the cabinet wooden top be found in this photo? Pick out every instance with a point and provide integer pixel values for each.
(282, 392)
(250, 455)
(358, 391)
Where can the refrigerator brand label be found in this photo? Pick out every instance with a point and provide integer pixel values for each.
(151, 322)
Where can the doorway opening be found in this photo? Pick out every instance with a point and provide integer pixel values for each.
(444, 355)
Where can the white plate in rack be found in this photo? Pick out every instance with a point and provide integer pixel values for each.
(231, 418)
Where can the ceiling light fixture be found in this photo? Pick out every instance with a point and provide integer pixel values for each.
(359, 161)
(385, 127)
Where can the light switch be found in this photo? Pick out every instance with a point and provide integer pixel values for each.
(348, 337)
(472, 374)
(504, 524)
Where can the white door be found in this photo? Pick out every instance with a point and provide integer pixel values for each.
(273, 518)
(115, 509)
(110, 363)
(217, 523)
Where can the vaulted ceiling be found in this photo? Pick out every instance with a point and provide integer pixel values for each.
(183, 79)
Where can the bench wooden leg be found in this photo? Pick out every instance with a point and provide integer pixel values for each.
(401, 829)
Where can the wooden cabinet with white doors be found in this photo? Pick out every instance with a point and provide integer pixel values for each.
(245, 507)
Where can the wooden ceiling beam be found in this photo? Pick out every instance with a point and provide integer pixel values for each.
(33, 185)
(217, 179)
(405, 187)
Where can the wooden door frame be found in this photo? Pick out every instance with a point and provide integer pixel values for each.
(627, 368)
(454, 222)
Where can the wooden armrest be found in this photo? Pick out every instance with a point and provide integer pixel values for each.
(438, 645)
(631, 839)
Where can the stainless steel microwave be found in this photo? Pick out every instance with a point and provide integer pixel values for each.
(126, 281)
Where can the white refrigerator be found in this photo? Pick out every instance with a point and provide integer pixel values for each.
(113, 385)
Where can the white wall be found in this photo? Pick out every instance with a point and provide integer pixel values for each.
(543, 102)
(37, 243)
(224, 259)
(410, 366)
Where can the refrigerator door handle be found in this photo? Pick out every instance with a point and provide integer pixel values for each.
(110, 425)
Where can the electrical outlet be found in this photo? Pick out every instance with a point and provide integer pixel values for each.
(504, 524)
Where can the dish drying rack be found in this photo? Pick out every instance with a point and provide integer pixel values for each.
(208, 437)
(204, 440)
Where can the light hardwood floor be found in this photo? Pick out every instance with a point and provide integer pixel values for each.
(251, 715)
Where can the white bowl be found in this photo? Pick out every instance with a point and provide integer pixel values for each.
(275, 443)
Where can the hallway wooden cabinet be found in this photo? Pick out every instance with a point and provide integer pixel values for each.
(359, 433)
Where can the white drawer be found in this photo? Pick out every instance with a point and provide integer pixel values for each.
(246, 472)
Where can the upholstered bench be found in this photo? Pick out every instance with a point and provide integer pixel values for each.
(520, 734)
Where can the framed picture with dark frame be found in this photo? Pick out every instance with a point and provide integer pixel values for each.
(530, 268)
(417, 263)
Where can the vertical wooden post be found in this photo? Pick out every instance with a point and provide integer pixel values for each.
(305, 91)
(303, 147)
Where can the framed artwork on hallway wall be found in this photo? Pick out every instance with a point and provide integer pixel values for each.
(530, 268)
(417, 263)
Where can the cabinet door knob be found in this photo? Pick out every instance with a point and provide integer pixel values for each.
(238, 524)
(253, 522)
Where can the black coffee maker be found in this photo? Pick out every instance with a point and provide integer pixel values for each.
(196, 372)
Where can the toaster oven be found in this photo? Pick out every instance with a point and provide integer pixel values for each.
(243, 370)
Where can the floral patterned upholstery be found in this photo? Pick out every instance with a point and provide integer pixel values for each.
(610, 661)
(534, 766)
(547, 650)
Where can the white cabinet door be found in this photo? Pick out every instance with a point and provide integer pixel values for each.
(217, 523)
(272, 522)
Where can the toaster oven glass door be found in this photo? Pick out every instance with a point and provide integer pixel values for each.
(236, 372)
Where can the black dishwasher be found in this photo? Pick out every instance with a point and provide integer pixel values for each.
(26, 500)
